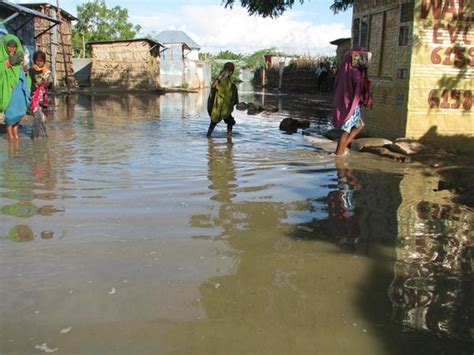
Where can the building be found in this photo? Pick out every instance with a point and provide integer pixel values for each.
(44, 27)
(126, 64)
(180, 64)
(422, 68)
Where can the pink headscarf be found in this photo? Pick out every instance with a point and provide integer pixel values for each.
(349, 91)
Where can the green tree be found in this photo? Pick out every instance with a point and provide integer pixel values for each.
(97, 22)
(228, 55)
(256, 59)
(274, 8)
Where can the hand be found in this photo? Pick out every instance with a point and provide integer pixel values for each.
(8, 64)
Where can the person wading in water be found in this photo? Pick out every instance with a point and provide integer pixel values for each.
(222, 99)
(352, 91)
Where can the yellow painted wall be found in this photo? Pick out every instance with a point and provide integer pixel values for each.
(442, 73)
(434, 101)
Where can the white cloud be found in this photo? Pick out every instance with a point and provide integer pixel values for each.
(215, 28)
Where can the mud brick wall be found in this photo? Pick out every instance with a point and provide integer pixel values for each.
(129, 65)
(45, 42)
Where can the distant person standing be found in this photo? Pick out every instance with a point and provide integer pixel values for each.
(321, 74)
(352, 90)
(222, 99)
(14, 91)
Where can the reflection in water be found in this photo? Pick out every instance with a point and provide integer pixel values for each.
(180, 244)
(343, 218)
(433, 285)
(21, 233)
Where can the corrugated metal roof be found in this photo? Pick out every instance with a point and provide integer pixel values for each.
(171, 36)
(64, 13)
(25, 10)
(150, 41)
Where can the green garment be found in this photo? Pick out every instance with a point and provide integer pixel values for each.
(9, 77)
(225, 98)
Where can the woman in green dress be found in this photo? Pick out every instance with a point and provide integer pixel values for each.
(14, 88)
(222, 99)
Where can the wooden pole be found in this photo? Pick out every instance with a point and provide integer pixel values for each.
(62, 46)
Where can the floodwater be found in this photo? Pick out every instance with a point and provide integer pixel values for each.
(127, 231)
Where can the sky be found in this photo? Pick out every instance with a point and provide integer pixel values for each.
(306, 29)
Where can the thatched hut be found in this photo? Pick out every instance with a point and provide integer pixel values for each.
(127, 64)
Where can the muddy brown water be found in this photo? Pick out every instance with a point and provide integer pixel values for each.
(127, 231)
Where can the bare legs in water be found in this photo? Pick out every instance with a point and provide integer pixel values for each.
(213, 125)
(347, 138)
(12, 133)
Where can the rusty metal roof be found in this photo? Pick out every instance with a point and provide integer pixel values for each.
(64, 13)
(25, 11)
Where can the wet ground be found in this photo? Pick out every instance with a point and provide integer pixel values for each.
(127, 231)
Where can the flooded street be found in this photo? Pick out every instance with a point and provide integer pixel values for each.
(127, 231)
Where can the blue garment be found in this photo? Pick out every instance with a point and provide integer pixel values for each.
(354, 121)
(19, 102)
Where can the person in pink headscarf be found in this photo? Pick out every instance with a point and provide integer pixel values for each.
(352, 91)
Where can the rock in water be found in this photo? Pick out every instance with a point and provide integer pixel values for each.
(289, 125)
(303, 123)
(364, 143)
(242, 106)
(253, 109)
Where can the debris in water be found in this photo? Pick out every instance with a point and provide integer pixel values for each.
(37, 312)
(65, 330)
(364, 330)
(217, 285)
(44, 348)
(354, 324)
(153, 252)
(201, 257)
(71, 291)
(113, 291)
(125, 281)
(306, 229)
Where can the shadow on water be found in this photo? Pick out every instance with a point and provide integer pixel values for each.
(376, 271)
(420, 299)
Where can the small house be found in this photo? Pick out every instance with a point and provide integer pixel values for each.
(126, 64)
(180, 64)
(422, 68)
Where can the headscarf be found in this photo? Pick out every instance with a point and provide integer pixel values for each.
(9, 77)
(349, 92)
(36, 56)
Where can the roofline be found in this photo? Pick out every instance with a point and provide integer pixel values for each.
(63, 12)
(340, 40)
(180, 42)
(150, 41)
(26, 11)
